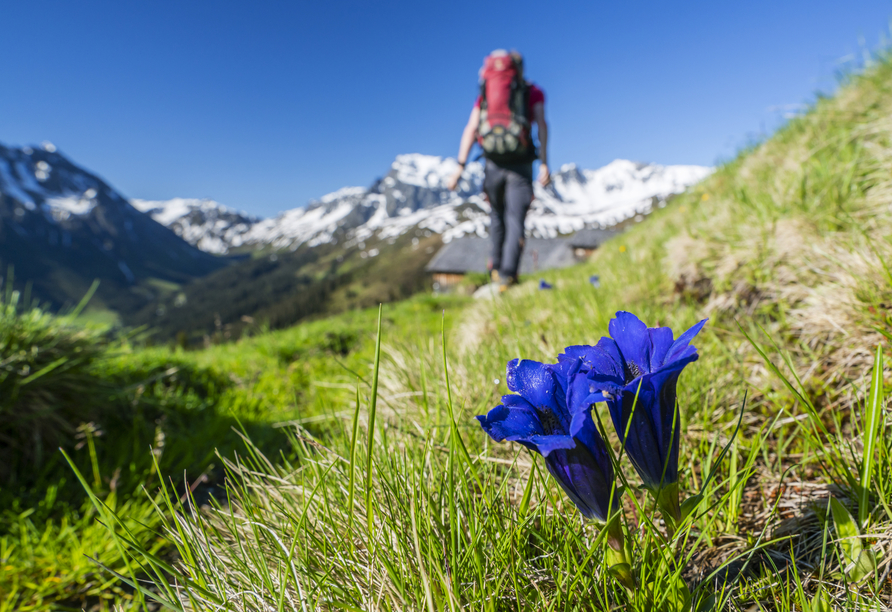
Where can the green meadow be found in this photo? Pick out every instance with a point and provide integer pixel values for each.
(337, 465)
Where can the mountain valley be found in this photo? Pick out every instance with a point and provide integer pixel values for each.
(194, 269)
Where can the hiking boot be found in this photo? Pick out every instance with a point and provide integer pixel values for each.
(506, 283)
(494, 276)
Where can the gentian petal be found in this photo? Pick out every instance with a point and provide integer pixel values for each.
(660, 341)
(586, 473)
(546, 444)
(576, 353)
(686, 356)
(534, 381)
(679, 347)
(565, 370)
(511, 423)
(539, 418)
(653, 436)
(571, 361)
(633, 340)
(610, 359)
(604, 357)
(587, 486)
(516, 401)
(582, 392)
(642, 444)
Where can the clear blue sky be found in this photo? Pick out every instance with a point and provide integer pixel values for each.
(266, 105)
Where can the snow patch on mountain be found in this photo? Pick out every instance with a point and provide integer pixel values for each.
(203, 223)
(580, 198)
(63, 207)
(340, 194)
(314, 224)
(61, 192)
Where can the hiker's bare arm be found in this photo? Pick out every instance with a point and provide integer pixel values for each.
(539, 117)
(464, 148)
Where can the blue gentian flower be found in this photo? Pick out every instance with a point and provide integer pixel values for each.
(641, 362)
(538, 418)
(595, 280)
(544, 285)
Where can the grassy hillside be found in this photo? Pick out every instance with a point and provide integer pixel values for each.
(106, 403)
(389, 496)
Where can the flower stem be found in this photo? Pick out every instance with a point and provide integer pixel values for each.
(619, 565)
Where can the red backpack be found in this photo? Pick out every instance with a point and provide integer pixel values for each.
(504, 132)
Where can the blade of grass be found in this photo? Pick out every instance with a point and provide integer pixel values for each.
(353, 436)
(108, 519)
(424, 579)
(373, 403)
(85, 300)
(873, 412)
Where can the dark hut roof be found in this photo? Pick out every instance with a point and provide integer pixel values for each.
(590, 238)
(464, 255)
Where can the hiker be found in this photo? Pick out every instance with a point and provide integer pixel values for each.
(501, 122)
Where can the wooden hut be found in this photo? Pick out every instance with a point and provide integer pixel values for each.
(471, 254)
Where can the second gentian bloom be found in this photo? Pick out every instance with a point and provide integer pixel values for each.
(539, 418)
(636, 372)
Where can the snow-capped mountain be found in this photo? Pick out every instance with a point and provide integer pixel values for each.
(575, 199)
(314, 224)
(413, 196)
(62, 226)
(412, 192)
(203, 223)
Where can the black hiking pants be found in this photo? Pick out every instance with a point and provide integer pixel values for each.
(509, 189)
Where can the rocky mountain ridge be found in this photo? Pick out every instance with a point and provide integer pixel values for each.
(203, 223)
(413, 196)
(62, 226)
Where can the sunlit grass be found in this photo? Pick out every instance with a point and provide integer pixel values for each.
(184, 405)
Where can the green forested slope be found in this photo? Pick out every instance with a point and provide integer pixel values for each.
(274, 290)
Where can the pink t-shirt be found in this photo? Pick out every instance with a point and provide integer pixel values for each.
(537, 96)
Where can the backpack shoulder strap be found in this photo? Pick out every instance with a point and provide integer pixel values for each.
(525, 88)
(520, 99)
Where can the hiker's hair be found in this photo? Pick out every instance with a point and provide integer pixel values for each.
(515, 55)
